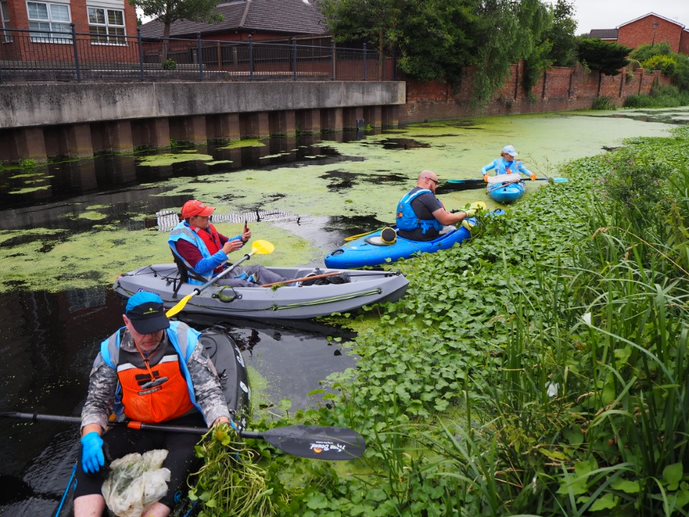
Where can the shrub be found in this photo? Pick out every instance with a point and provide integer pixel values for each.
(603, 103)
(660, 97)
(169, 64)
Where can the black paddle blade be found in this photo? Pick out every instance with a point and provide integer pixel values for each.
(318, 443)
(456, 185)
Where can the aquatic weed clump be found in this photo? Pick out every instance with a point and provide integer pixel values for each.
(231, 480)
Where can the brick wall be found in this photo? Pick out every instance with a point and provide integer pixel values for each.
(559, 89)
(684, 42)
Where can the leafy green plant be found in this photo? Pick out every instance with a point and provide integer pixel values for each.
(603, 103)
(169, 64)
(230, 482)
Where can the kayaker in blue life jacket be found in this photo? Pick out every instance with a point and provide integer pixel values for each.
(154, 371)
(200, 251)
(507, 164)
(421, 216)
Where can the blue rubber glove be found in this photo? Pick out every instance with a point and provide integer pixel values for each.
(92, 458)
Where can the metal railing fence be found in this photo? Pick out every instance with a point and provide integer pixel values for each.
(30, 55)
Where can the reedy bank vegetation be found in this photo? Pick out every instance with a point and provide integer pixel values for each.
(542, 368)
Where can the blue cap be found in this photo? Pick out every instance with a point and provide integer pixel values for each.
(147, 313)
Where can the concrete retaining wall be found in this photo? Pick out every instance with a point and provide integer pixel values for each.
(41, 104)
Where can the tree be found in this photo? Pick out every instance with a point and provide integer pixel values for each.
(170, 11)
(364, 21)
(562, 34)
(606, 58)
(535, 21)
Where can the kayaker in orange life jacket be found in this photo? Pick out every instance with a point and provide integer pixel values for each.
(202, 251)
(165, 376)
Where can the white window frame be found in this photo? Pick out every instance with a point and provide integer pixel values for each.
(51, 23)
(118, 40)
(5, 22)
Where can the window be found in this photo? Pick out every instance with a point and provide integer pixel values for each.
(49, 23)
(5, 37)
(106, 26)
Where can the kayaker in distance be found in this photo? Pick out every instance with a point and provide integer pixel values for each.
(186, 391)
(200, 251)
(421, 216)
(507, 164)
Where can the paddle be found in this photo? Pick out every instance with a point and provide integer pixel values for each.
(478, 184)
(359, 235)
(260, 247)
(318, 443)
(303, 279)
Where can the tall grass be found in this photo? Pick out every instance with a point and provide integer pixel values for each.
(589, 409)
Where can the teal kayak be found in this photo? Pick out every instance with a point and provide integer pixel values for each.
(371, 250)
(506, 194)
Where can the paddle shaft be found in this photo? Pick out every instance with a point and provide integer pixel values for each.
(224, 273)
(179, 306)
(302, 279)
(296, 440)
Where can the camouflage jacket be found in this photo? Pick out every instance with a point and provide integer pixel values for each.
(103, 382)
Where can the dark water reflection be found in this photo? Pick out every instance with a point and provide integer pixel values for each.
(63, 179)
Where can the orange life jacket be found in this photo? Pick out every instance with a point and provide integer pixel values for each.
(156, 393)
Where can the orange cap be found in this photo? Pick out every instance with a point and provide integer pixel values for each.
(195, 207)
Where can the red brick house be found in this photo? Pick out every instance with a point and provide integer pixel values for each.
(649, 29)
(37, 29)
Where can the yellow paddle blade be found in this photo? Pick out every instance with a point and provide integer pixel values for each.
(180, 305)
(478, 205)
(262, 247)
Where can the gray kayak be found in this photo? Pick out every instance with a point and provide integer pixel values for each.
(344, 291)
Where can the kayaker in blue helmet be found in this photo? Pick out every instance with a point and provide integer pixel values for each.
(200, 251)
(155, 371)
(507, 164)
(420, 214)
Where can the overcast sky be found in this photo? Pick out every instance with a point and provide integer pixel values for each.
(608, 14)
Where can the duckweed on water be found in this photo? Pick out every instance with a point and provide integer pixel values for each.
(239, 144)
(377, 178)
(98, 257)
(162, 160)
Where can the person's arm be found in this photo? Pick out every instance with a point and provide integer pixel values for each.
(100, 398)
(209, 395)
(492, 165)
(448, 218)
(436, 208)
(526, 172)
(202, 266)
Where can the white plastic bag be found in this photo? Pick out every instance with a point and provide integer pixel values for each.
(135, 481)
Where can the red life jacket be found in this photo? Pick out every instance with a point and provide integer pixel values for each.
(155, 393)
(211, 239)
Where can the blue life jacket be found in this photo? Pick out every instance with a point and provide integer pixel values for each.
(184, 232)
(408, 221)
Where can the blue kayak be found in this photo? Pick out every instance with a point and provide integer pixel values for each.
(506, 194)
(371, 250)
